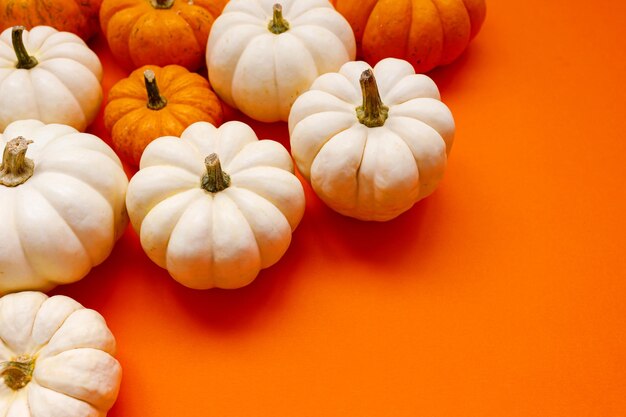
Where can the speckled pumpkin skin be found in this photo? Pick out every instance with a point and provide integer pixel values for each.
(427, 33)
(76, 16)
(133, 125)
(139, 34)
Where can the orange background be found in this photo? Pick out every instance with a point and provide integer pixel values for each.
(503, 294)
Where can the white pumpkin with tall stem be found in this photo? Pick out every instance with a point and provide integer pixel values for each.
(56, 358)
(372, 142)
(61, 203)
(262, 55)
(48, 75)
(215, 206)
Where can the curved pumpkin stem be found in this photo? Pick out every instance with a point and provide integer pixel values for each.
(162, 4)
(155, 100)
(278, 24)
(24, 61)
(16, 168)
(17, 373)
(215, 180)
(372, 113)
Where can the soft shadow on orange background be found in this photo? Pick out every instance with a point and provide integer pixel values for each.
(501, 294)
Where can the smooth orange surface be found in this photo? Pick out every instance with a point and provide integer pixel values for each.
(503, 294)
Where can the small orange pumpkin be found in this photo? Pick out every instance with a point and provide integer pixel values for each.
(427, 33)
(159, 32)
(76, 16)
(139, 110)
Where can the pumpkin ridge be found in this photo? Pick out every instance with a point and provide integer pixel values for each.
(121, 137)
(182, 213)
(25, 257)
(183, 15)
(182, 124)
(443, 32)
(447, 42)
(117, 23)
(356, 121)
(107, 11)
(44, 386)
(32, 325)
(42, 346)
(148, 211)
(50, 147)
(359, 32)
(184, 82)
(42, 66)
(476, 12)
(37, 104)
(275, 171)
(141, 42)
(257, 239)
(304, 12)
(236, 69)
(68, 92)
(70, 227)
(247, 223)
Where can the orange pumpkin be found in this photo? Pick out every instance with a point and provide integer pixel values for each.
(139, 110)
(159, 32)
(76, 16)
(427, 33)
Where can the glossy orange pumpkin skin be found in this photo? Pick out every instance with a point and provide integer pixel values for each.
(139, 33)
(427, 33)
(76, 16)
(133, 125)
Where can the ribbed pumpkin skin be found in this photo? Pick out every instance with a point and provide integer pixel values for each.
(427, 33)
(133, 125)
(139, 34)
(76, 16)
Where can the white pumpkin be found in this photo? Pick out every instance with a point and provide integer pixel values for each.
(208, 227)
(56, 358)
(48, 75)
(61, 204)
(261, 54)
(372, 146)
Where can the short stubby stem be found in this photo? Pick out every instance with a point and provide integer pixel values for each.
(162, 4)
(24, 61)
(278, 24)
(16, 168)
(372, 113)
(155, 100)
(18, 372)
(215, 180)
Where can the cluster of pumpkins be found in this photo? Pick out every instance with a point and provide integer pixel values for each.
(212, 205)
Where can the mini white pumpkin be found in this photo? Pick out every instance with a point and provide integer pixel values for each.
(214, 228)
(61, 204)
(261, 54)
(371, 150)
(48, 75)
(56, 358)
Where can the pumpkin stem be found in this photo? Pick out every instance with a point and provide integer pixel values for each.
(215, 180)
(373, 113)
(162, 4)
(16, 168)
(24, 61)
(278, 24)
(155, 100)
(18, 372)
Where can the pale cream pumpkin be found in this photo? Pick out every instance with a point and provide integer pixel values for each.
(56, 358)
(211, 227)
(48, 75)
(372, 143)
(262, 54)
(61, 203)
